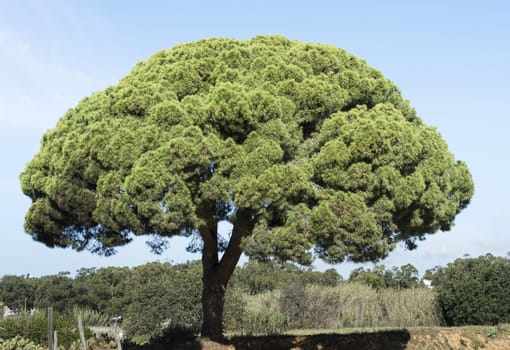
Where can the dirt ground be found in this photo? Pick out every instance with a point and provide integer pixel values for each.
(464, 338)
(469, 338)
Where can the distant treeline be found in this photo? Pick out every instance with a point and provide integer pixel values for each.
(111, 290)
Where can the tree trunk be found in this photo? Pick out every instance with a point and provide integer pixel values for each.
(215, 279)
(216, 274)
(213, 301)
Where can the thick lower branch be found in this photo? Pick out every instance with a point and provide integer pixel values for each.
(243, 226)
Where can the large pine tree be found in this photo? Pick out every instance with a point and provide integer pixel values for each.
(303, 148)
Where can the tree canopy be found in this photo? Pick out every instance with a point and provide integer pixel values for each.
(305, 149)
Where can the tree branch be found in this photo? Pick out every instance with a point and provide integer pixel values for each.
(243, 226)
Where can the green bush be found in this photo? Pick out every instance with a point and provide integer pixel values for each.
(476, 291)
(172, 301)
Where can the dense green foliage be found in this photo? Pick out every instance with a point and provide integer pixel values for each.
(149, 297)
(306, 150)
(170, 301)
(475, 291)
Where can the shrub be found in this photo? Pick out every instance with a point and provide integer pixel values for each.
(476, 291)
(173, 302)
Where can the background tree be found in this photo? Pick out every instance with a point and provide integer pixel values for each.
(403, 277)
(18, 292)
(436, 275)
(55, 291)
(104, 290)
(303, 148)
(257, 277)
(330, 277)
(374, 277)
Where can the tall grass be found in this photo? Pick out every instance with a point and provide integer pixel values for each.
(354, 305)
(343, 306)
(411, 308)
(262, 314)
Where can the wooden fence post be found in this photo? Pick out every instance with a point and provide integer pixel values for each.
(82, 333)
(50, 328)
(55, 341)
(116, 334)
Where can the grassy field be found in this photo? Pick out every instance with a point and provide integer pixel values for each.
(419, 338)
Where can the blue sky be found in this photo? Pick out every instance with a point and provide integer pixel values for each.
(450, 59)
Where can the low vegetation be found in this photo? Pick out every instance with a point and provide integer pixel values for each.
(33, 327)
(20, 343)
